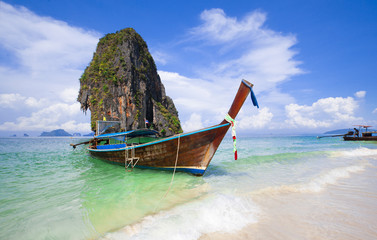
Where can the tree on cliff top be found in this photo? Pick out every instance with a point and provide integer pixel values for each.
(121, 83)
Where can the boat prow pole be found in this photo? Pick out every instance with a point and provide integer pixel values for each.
(244, 90)
(242, 93)
(77, 144)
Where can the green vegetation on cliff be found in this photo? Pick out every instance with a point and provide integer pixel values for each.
(121, 83)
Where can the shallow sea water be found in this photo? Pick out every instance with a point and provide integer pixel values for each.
(279, 188)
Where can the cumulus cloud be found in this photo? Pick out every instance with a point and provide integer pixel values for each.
(218, 27)
(54, 116)
(41, 75)
(69, 95)
(192, 94)
(250, 50)
(17, 101)
(10, 100)
(36, 103)
(239, 49)
(326, 112)
(194, 123)
(47, 54)
(260, 120)
(360, 94)
(37, 40)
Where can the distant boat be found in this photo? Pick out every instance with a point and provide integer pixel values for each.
(360, 135)
(187, 152)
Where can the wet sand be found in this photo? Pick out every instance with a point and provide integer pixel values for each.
(345, 210)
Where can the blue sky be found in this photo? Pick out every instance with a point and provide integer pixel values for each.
(313, 63)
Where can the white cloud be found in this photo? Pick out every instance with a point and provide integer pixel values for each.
(49, 54)
(250, 50)
(72, 127)
(69, 95)
(260, 120)
(326, 112)
(194, 123)
(17, 101)
(375, 110)
(160, 57)
(190, 94)
(218, 27)
(46, 60)
(10, 100)
(55, 116)
(34, 103)
(360, 94)
(239, 49)
(37, 40)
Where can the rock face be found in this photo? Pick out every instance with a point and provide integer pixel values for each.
(121, 84)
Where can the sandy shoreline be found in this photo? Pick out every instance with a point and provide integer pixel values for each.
(346, 210)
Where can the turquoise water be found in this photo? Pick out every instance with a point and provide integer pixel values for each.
(50, 191)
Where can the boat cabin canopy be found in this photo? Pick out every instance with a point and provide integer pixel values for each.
(129, 134)
(363, 126)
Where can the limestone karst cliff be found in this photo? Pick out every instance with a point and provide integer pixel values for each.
(121, 83)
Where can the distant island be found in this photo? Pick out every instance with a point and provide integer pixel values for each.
(56, 133)
(63, 133)
(15, 135)
(89, 134)
(339, 131)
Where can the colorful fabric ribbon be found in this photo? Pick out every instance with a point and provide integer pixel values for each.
(233, 123)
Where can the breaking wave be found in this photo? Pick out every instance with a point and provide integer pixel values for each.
(320, 183)
(226, 213)
(317, 184)
(359, 152)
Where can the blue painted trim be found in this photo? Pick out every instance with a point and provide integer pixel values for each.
(111, 146)
(160, 141)
(194, 171)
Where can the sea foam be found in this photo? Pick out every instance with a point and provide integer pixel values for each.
(216, 213)
(318, 183)
(359, 152)
(331, 177)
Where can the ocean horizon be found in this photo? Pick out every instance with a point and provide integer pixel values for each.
(281, 187)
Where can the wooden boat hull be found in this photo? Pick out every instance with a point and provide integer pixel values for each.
(189, 152)
(370, 138)
(193, 154)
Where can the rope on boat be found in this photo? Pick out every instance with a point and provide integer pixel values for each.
(125, 157)
(233, 123)
(130, 161)
(175, 167)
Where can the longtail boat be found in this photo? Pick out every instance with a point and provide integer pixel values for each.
(361, 134)
(186, 152)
